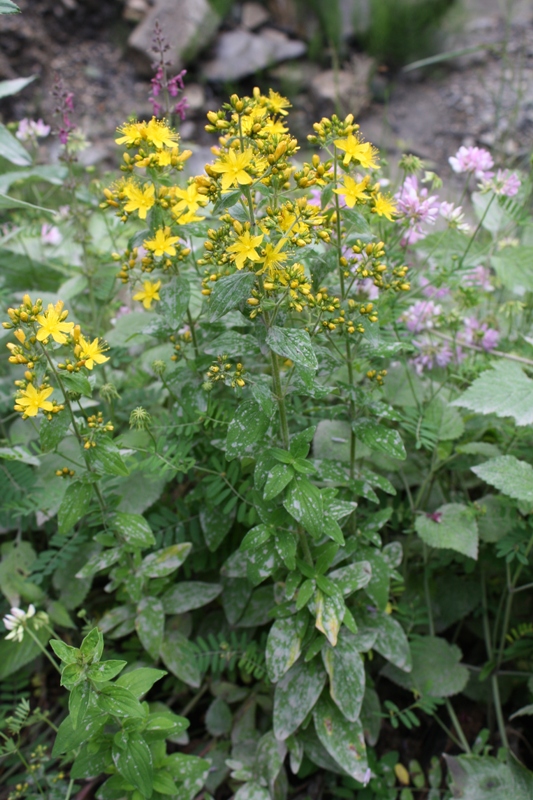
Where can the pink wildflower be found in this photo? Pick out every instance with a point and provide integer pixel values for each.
(479, 276)
(50, 234)
(428, 290)
(454, 216)
(478, 333)
(30, 129)
(420, 316)
(473, 159)
(433, 354)
(505, 183)
(415, 208)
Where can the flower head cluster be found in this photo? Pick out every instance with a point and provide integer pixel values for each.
(415, 208)
(29, 130)
(474, 160)
(63, 109)
(504, 183)
(421, 315)
(161, 83)
(17, 621)
(454, 216)
(478, 334)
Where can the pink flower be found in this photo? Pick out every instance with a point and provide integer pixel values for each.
(415, 208)
(473, 159)
(454, 216)
(431, 291)
(367, 286)
(479, 276)
(50, 235)
(478, 333)
(433, 354)
(30, 129)
(506, 183)
(420, 316)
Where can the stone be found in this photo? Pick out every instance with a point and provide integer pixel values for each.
(195, 95)
(135, 10)
(240, 53)
(188, 26)
(347, 91)
(253, 16)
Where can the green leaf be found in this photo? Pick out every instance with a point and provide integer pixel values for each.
(256, 537)
(105, 670)
(98, 562)
(248, 425)
(14, 202)
(379, 438)
(133, 529)
(75, 504)
(295, 696)
(174, 301)
(293, 344)
(164, 562)
(352, 577)
(215, 525)
(119, 702)
(8, 7)
(150, 624)
(343, 740)
(19, 453)
(304, 502)
(278, 478)
(68, 739)
(346, 671)
(52, 173)
(180, 657)
(52, 432)
(252, 791)
(88, 764)
(92, 646)
(452, 526)
(229, 292)
(436, 669)
(513, 268)
(106, 458)
(504, 390)
(133, 760)
(392, 643)
(139, 681)
(187, 595)
(488, 778)
(8, 88)
(301, 443)
(329, 611)
(67, 654)
(512, 477)
(218, 719)
(11, 148)
(77, 382)
(284, 645)
(130, 329)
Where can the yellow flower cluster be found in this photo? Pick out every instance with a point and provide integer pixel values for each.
(35, 329)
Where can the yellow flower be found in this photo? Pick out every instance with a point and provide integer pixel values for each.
(148, 294)
(162, 243)
(277, 104)
(160, 135)
(384, 206)
(274, 127)
(52, 324)
(30, 400)
(363, 152)
(244, 248)
(190, 201)
(132, 133)
(353, 192)
(91, 352)
(273, 257)
(232, 166)
(141, 198)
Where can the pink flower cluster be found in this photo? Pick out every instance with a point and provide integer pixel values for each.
(173, 86)
(473, 159)
(30, 129)
(64, 107)
(421, 315)
(415, 208)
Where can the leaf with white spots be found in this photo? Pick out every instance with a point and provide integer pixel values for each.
(252, 791)
(453, 526)
(380, 438)
(249, 424)
(293, 344)
(150, 624)
(180, 657)
(284, 644)
(343, 740)
(295, 695)
(98, 562)
(352, 577)
(329, 612)
(346, 671)
(187, 595)
(75, 504)
(391, 641)
(133, 760)
(304, 503)
(164, 562)
(133, 529)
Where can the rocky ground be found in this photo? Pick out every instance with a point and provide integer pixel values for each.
(100, 50)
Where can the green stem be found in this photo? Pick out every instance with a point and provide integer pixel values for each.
(490, 653)
(458, 728)
(480, 223)
(43, 649)
(280, 399)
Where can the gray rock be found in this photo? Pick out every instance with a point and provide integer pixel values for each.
(240, 53)
(347, 91)
(195, 95)
(188, 26)
(253, 16)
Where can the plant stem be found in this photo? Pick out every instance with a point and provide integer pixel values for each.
(457, 726)
(490, 653)
(480, 223)
(43, 649)
(280, 399)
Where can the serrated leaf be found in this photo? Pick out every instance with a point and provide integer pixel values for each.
(75, 504)
(488, 778)
(284, 645)
(229, 292)
(346, 671)
(504, 390)
(380, 438)
(452, 526)
(295, 696)
(133, 529)
(187, 595)
(436, 669)
(343, 740)
(150, 624)
(248, 425)
(293, 344)
(512, 477)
